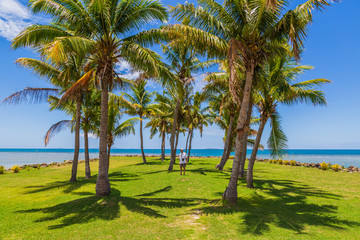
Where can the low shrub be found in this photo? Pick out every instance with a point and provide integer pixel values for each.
(280, 161)
(292, 162)
(270, 161)
(286, 162)
(2, 169)
(15, 169)
(336, 167)
(324, 166)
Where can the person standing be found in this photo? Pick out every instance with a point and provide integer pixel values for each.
(182, 161)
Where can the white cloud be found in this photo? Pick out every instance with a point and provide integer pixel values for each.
(14, 17)
(90, 135)
(124, 69)
(14, 8)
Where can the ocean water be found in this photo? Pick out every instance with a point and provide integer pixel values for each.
(14, 156)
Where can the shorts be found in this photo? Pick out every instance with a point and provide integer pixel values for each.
(183, 165)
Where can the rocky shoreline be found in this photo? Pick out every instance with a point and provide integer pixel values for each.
(350, 169)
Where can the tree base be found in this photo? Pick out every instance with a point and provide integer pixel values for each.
(219, 167)
(73, 179)
(171, 167)
(103, 186)
(230, 195)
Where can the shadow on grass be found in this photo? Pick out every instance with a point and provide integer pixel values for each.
(90, 207)
(165, 189)
(286, 207)
(69, 187)
(150, 162)
(205, 171)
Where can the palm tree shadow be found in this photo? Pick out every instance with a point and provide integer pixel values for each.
(286, 207)
(90, 207)
(69, 187)
(165, 189)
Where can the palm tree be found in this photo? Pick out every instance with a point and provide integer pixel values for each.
(161, 121)
(183, 62)
(90, 107)
(139, 103)
(90, 114)
(198, 117)
(224, 107)
(101, 28)
(62, 75)
(277, 85)
(246, 33)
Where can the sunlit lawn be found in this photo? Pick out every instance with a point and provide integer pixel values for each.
(147, 202)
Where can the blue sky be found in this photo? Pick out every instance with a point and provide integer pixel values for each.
(332, 48)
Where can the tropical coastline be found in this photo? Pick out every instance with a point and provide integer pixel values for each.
(22, 156)
(164, 119)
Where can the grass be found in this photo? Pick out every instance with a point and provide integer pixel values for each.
(147, 202)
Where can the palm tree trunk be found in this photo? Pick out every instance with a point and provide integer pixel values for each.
(162, 146)
(190, 141)
(227, 149)
(142, 141)
(108, 154)
(187, 141)
(243, 156)
(250, 169)
(102, 183)
(177, 140)
(87, 158)
(230, 193)
(244, 150)
(77, 140)
(172, 137)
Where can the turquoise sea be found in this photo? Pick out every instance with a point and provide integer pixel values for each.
(17, 156)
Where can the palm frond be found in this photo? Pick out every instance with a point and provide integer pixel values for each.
(277, 141)
(31, 95)
(55, 128)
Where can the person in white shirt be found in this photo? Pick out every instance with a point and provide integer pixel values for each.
(182, 160)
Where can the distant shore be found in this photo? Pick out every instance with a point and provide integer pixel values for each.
(350, 169)
(11, 157)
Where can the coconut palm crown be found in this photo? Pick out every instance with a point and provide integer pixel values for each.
(103, 29)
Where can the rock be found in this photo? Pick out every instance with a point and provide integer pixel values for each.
(355, 169)
(68, 161)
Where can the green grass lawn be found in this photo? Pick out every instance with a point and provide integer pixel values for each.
(147, 202)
